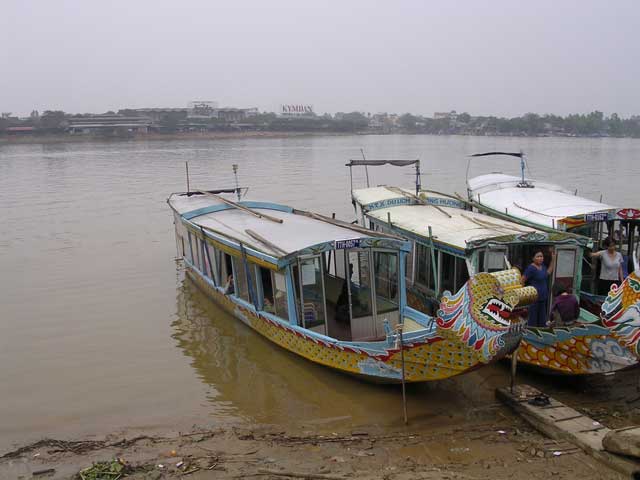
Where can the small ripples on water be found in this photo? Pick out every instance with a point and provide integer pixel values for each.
(100, 331)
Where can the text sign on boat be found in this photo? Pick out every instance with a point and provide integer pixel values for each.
(352, 243)
(596, 216)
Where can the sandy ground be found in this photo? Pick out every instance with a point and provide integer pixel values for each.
(503, 448)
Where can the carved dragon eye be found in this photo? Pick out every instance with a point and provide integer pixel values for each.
(498, 310)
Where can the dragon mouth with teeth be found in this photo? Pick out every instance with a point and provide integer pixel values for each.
(498, 311)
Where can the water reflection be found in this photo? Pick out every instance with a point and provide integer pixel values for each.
(253, 379)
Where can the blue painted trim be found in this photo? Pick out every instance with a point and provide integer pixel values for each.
(219, 208)
(421, 318)
(291, 297)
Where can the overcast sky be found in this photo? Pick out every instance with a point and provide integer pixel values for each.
(500, 57)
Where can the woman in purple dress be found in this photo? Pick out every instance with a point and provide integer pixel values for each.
(537, 275)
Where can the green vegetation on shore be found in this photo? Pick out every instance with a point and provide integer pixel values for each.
(594, 124)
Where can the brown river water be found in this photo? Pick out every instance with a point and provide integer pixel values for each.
(99, 330)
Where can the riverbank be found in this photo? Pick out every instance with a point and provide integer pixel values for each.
(151, 137)
(504, 448)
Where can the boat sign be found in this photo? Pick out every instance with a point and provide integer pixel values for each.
(352, 243)
(596, 216)
(389, 202)
(629, 213)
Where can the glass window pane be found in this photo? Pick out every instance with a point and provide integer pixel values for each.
(313, 310)
(360, 283)
(280, 295)
(447, 267)
(386, 275)
(240, 279)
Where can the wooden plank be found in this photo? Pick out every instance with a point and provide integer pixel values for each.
(577, 429)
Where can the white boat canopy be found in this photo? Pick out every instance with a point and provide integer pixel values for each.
(278, 231)
(543, 204)
(450, 225)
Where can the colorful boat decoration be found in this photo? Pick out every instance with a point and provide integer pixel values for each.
(551, 207)
(452, 243)
(334, 293)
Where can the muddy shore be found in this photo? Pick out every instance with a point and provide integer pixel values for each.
(494, 445)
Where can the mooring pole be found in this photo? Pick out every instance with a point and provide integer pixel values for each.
(404, 392)
(514, 364)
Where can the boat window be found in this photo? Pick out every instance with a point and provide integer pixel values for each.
(494, 260)
(226, 272)
(360, 283)
(312, 298)
(386, 276)
(206, 268)
(278, 281)
(190, 251)
(240, 279)
(210, 254)
(409, 258)
(264, 277)
(424, 271)
(447, 272)
(462, 274)
(565, 269)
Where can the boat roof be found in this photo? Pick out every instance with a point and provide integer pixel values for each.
(450, 225)
(298, 232)
(544, 204)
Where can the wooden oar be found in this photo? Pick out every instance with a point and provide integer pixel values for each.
(240, 207)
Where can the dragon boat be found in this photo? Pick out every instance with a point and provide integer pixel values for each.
(335, 294)
(551, 207)
(451, 243)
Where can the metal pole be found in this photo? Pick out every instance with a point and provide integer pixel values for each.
(235, 174)
(404, 392)
(514, 365)
(186, 164)
(418, 185)
(366, 169)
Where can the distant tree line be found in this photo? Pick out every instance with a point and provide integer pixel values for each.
(530, 124)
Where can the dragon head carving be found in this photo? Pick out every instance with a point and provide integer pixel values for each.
(485, 313)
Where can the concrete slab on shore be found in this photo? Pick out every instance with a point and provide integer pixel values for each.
(560, 422)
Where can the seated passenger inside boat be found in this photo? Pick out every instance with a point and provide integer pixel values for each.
(565, 309)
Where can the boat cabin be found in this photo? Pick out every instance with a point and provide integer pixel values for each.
(451, 242)
(309, 271)
(551, 207)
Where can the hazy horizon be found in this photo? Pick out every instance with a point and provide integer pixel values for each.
(500, 58)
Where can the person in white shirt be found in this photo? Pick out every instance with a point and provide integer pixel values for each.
(610, 266)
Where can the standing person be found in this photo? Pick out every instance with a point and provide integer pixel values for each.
(610, 267)
(537, 275)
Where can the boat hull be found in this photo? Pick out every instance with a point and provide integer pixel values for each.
(436, 357)
(579, 350)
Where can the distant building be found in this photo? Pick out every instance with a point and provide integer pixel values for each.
(108, 124)
(296, 110)
(452, 116)
(156, 114)
(235, 114)
(202, 109)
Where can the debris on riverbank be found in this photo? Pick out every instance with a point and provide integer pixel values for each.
(509, 450)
